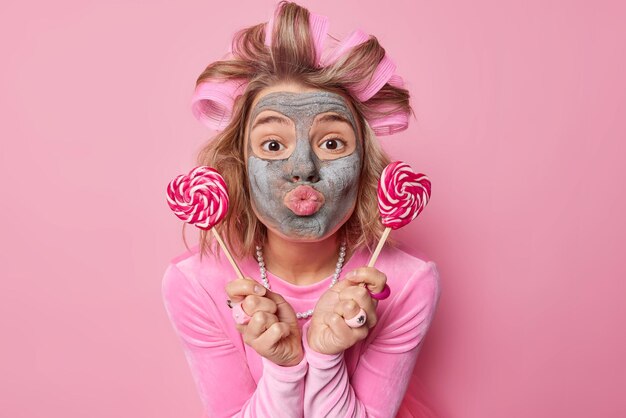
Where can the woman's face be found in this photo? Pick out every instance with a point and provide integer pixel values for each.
(304, 158)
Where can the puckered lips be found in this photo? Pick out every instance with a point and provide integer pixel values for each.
(304, 200)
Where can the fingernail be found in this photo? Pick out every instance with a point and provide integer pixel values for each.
(351, 274)
(259, 290)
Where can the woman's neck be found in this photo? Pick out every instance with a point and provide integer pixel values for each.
(301, 263)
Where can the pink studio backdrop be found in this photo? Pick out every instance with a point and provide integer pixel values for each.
(520, 125)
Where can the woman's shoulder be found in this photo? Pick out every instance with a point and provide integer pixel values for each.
(405, 316)
(192, 290)
(211, 271)
(409, 268)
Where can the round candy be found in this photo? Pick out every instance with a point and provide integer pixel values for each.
(402, 194)
(199, 198)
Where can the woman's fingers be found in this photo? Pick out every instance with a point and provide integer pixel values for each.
(375, 280)
(258, 324)
(344, 335)
(362, 298)
(245, 300)
(264, 331)
(238, 289)
(277, 298)
(272, 335)
(284, 311)
(253, 303)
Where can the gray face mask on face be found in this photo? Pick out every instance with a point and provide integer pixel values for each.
(303, 196)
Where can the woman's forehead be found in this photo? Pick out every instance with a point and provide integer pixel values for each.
(303, 106)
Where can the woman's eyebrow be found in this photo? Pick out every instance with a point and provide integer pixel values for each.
(333, 117)
(271, 119)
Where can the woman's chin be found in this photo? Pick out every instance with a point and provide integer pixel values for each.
(307, 236)
(305, 229)
(295, 237)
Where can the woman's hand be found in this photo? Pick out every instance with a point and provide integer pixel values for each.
(328, 332)
(273, 328)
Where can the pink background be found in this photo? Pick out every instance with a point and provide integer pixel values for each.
(520, 125)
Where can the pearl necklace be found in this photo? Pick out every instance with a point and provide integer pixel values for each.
(266, 283)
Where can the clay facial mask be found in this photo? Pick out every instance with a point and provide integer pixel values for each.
(304, 160)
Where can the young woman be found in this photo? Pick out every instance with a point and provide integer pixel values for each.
(314, 336)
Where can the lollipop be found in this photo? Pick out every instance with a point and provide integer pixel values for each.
(201, 199)
(402, 195)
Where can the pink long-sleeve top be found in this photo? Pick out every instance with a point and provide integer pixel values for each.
(373, 378)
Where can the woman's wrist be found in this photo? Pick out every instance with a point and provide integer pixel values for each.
(294, 362)
(286, 373)
(291, 358)
(312, 351)
(298, 355)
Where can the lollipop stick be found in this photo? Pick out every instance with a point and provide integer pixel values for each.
(379, 247)
(228, 255)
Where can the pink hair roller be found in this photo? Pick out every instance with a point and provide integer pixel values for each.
(385, 70)
(383, 73)
(357, 37)
(395, 121)
(212, 102)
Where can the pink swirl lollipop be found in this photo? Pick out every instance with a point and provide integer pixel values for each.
(199, 198)
(402, 194)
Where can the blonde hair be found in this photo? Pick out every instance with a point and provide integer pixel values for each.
(291, 57)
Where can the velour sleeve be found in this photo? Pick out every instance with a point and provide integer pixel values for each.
(380, 380)
(224, 382)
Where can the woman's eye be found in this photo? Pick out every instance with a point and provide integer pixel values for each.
(332, 144)
(272, 146)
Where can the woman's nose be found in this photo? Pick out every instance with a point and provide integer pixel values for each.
(304, 166)
(313, 178)
(305, 171)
